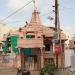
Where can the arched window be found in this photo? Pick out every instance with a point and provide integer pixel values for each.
(30, 35)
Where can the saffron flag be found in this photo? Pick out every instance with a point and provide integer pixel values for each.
(14, 43)
(33, 1)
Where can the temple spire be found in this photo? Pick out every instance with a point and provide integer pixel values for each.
(35, 8)
(35, 15)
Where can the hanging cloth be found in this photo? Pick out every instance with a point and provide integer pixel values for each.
(14, 43)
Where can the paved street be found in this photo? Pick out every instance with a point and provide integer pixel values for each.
(7, 71)
(13, 71)
(65, 72)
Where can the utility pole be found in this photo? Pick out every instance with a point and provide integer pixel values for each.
(56, 15)
(58, 34)
(56, 27)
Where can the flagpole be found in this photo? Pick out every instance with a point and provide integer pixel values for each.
(34, 4)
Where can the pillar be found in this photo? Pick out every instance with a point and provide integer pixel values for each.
(41, 58)
(22, 60)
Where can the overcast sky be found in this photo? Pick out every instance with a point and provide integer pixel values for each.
(66, 10)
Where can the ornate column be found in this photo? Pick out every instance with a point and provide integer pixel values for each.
(41, 58)
(22, 60)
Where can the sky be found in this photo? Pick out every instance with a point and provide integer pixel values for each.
(66, 13)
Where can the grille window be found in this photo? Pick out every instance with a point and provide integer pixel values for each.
(74, 42)
(30, 36)
(47, 47)
(48, 61)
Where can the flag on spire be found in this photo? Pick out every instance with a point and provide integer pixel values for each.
(33, 1)
(35, 7)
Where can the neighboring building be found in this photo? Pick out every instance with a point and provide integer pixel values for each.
(68, 54)
(37, 40)
(72, 43)
(4, 29)
(72, 49)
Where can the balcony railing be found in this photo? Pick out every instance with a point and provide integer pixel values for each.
(48, 54)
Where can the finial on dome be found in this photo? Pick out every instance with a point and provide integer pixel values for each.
(35, 8)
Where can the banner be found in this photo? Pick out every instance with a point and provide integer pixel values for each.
(27, 51)
(56, 48)
(14, 43)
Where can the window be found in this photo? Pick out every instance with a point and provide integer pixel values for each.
(47, 47)
(30, 36)
(74, 42)
(48, 61)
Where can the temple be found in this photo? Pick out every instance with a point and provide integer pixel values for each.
(34, 45)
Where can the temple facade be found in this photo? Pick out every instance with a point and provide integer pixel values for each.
(35, 46)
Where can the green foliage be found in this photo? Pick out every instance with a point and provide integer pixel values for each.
(48, 69)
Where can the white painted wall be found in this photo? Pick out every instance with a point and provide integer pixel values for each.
(68, 54)
(4, 29)
(73, 60)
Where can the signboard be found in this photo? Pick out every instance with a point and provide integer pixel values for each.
(55, 40)
(56, 49)
(55, 37)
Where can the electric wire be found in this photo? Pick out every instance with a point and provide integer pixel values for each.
(15, 12)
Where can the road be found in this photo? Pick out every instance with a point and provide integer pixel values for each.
(65, 72)
(13, 71)
(8, 71)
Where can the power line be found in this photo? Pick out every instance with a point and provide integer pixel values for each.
(15, 12)
(42, 15)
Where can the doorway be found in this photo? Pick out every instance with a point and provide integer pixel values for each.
(31, 62)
